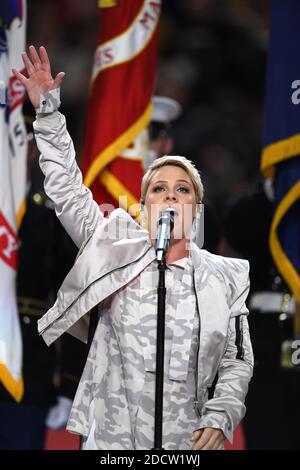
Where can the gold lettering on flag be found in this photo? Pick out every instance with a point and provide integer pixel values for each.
(129, 44)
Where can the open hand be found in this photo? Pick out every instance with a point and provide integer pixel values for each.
(39, 78)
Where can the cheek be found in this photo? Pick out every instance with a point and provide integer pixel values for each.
(152, 211)
(153, 198)
(151, 206)
(190, 206)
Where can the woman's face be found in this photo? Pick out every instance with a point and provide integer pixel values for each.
(171, 186)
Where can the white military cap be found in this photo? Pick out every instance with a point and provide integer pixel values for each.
(165, 109)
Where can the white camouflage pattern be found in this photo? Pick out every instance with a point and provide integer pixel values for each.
(123, 396)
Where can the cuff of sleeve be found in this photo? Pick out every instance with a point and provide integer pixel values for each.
(49, 102)
(47, 120)
(218, 421)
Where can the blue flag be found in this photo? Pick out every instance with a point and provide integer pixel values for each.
(281, 141)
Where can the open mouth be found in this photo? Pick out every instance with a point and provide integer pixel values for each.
(175, 211)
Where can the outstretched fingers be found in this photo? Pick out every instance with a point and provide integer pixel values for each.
(20, 76)
(28, 64)
(35, 58)
(38, 78)
(58, 79)
(44, 58)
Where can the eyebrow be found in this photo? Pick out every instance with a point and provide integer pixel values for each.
(177, 181)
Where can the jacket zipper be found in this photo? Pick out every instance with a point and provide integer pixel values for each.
(96, 280)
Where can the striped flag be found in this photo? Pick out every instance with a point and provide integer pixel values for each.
(13, 153)
(281, 153)
(119, 110)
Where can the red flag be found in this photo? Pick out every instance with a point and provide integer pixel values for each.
(120, 108)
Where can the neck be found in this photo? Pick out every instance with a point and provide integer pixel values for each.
(177, 249)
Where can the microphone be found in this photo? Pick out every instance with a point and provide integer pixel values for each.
(165, 227)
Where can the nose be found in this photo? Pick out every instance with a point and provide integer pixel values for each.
(171, 197)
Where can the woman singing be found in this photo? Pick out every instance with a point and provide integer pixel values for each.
(206, 330)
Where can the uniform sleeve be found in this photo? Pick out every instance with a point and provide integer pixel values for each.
(226, 409)
(72, 361)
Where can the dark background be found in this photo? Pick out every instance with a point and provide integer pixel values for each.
(212, 59)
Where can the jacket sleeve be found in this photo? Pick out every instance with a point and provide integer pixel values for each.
(74, 204)
(226, 409)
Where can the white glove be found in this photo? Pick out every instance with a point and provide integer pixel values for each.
(58, 414)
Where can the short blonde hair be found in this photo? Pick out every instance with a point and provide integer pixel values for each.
(173, 160)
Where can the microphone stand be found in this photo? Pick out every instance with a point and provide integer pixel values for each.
(166, 222)
(160, 354)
